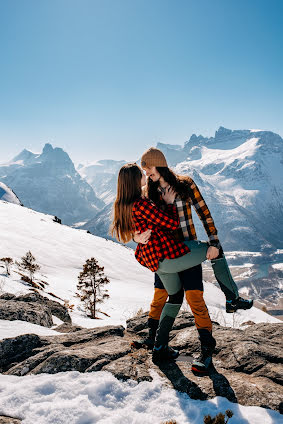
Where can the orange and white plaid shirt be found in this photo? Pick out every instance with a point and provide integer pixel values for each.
(184, 208)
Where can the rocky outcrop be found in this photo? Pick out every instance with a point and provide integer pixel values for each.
(247, 363)
(32, 307)
(25, 311)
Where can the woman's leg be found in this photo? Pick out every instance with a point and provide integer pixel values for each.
(197, 255)
(224, 278)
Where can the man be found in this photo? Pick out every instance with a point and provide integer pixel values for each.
(159, 177)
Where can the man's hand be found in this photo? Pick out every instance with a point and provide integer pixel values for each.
(142, 237)
(212, 252)
(169, 195)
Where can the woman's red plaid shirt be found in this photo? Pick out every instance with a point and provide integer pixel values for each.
(162, 243)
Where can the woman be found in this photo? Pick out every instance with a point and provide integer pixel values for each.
(162, 254)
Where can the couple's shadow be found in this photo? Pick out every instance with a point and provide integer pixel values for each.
(181, 383)
(221, 387)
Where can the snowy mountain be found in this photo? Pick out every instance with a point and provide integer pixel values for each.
(239, 174)
(102, 177)
(48, 182)
(8, 195)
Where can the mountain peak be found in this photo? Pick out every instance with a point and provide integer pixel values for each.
(55, 155)
(25, 155)
(222, 132)
(47, 148)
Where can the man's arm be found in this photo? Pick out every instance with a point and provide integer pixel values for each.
(204, 214)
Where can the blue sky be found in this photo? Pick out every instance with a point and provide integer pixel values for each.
(109, 78)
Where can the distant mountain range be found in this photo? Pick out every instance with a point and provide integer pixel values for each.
(239, 173)
(102, 176)
(49, 183)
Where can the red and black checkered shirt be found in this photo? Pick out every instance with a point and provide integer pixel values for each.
(162, 243)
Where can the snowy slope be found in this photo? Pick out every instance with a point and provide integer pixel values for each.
(61, 252)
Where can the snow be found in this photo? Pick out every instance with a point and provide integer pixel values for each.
(278, 266)
(17, 328)
(98, 397)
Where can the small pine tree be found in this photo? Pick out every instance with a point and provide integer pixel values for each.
(28, 264)
(90, 286)
(8, 262)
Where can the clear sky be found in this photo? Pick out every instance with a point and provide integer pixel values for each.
(109, 78)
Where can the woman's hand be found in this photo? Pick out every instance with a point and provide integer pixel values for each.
(212, 252)
(169, 195)
(142, 237)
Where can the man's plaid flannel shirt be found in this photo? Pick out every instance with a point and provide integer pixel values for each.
(187, 229)
(162, 243)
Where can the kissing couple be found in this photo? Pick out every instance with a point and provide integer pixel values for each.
(156, 212)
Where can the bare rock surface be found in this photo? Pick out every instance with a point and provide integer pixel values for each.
(26, 311)
(247, 363)
(54, 308)
(66, 327)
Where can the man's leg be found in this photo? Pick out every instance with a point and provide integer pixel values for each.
(193, 286)
(192, 282)
(156, 306)
(159, 299)
(170, 310)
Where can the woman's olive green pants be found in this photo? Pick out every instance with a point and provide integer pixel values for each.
(168, 273)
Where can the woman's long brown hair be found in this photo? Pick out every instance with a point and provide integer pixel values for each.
(180, 183)
(128, 190)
